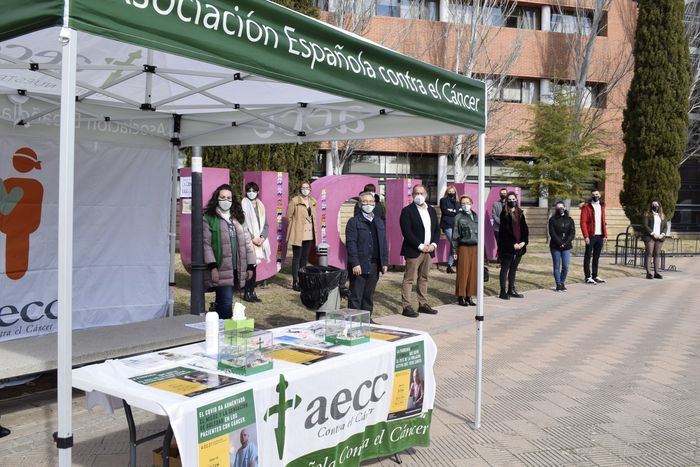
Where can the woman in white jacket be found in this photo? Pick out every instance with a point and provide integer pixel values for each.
(256, 224)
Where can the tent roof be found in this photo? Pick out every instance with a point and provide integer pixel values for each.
(238, 73)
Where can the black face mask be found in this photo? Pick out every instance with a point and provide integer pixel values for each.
(561, 211)
(512, 204)
(451, 195)
(595, 198)
(655, 208)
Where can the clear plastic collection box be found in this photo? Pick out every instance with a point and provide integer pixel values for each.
(247, 351)
(347, 327)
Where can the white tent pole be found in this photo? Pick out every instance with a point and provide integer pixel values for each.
(64, 438)
(480, 280)
(173, 234)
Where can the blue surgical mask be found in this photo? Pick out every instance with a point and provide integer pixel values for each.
(466, 207)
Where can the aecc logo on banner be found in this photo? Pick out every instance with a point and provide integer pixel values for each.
(20, 216)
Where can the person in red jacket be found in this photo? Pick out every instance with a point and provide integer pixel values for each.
(594, 234)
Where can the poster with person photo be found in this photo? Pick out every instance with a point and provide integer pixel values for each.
(227, 432)
(409, 381)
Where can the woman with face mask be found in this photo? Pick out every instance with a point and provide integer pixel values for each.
(228, 250)
(301, 229)
(562, 231)
(654, 228)
(512, 244)
(449, 207)
(463, 240)
(256, 223)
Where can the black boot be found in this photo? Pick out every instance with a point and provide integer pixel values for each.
(295, 286)
(4, 431)
(461, 301)
(470, 301)
(503, 295)
(450, 270)
(514, 293)
(255, 297)
(247, 296)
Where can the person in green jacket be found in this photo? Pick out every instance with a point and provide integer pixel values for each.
(464, 239)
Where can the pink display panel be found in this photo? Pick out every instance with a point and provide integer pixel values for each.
(274, 194)
(212, 178)
(398, 196)
(330, 193)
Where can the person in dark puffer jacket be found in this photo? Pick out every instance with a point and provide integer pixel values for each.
(561, 233)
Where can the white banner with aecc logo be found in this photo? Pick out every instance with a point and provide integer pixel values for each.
(120, 255)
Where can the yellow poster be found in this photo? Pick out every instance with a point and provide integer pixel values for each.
(399, 395)
(302, 355)
(178, 386)
(215, 452)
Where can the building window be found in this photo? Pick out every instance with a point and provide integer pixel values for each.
(423, 9)
(523, 18)
(389, 8)
(516, 90)
(572, 22)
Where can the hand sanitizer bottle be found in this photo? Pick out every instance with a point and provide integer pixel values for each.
(212, 333)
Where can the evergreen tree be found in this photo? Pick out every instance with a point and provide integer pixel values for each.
(656, 119)
(566, 158)
(296, 159)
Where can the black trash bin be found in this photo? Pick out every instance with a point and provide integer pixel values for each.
(320, 288)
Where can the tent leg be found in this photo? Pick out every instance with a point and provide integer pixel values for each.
(64, 435)
(173, 234)
(480, 281)
(198, 266)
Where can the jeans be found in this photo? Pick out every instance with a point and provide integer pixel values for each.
(224, 301)
(560, 258)
(594, 247)
(509, 267)
(300, 257)
(450, 258)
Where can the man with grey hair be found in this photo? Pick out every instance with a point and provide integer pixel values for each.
(421, 232)
(368, 253)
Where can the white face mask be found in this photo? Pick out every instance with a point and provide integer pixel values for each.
(305, 192)
(251, 195)
(225, 205)
(368, 208)
(419, 200)
(467, 207)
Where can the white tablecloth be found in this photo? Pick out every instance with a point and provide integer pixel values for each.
(374, 400)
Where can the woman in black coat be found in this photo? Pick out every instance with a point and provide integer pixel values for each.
(561, 233)
(449, 207)
(512, 244)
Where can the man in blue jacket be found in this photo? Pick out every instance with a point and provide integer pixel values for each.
(421, 233)
(368, 253)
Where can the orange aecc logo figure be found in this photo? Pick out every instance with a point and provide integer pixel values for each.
(20, 212)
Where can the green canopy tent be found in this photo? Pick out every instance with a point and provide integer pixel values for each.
(214, 73)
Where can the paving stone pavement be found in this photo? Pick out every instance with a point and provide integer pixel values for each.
(600, 375)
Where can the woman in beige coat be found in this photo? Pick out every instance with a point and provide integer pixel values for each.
(228, 249)
(301, 229)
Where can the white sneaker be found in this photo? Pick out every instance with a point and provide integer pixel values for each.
(598, 280)
(589, 280)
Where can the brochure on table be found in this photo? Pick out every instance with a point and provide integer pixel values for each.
(316, 407)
